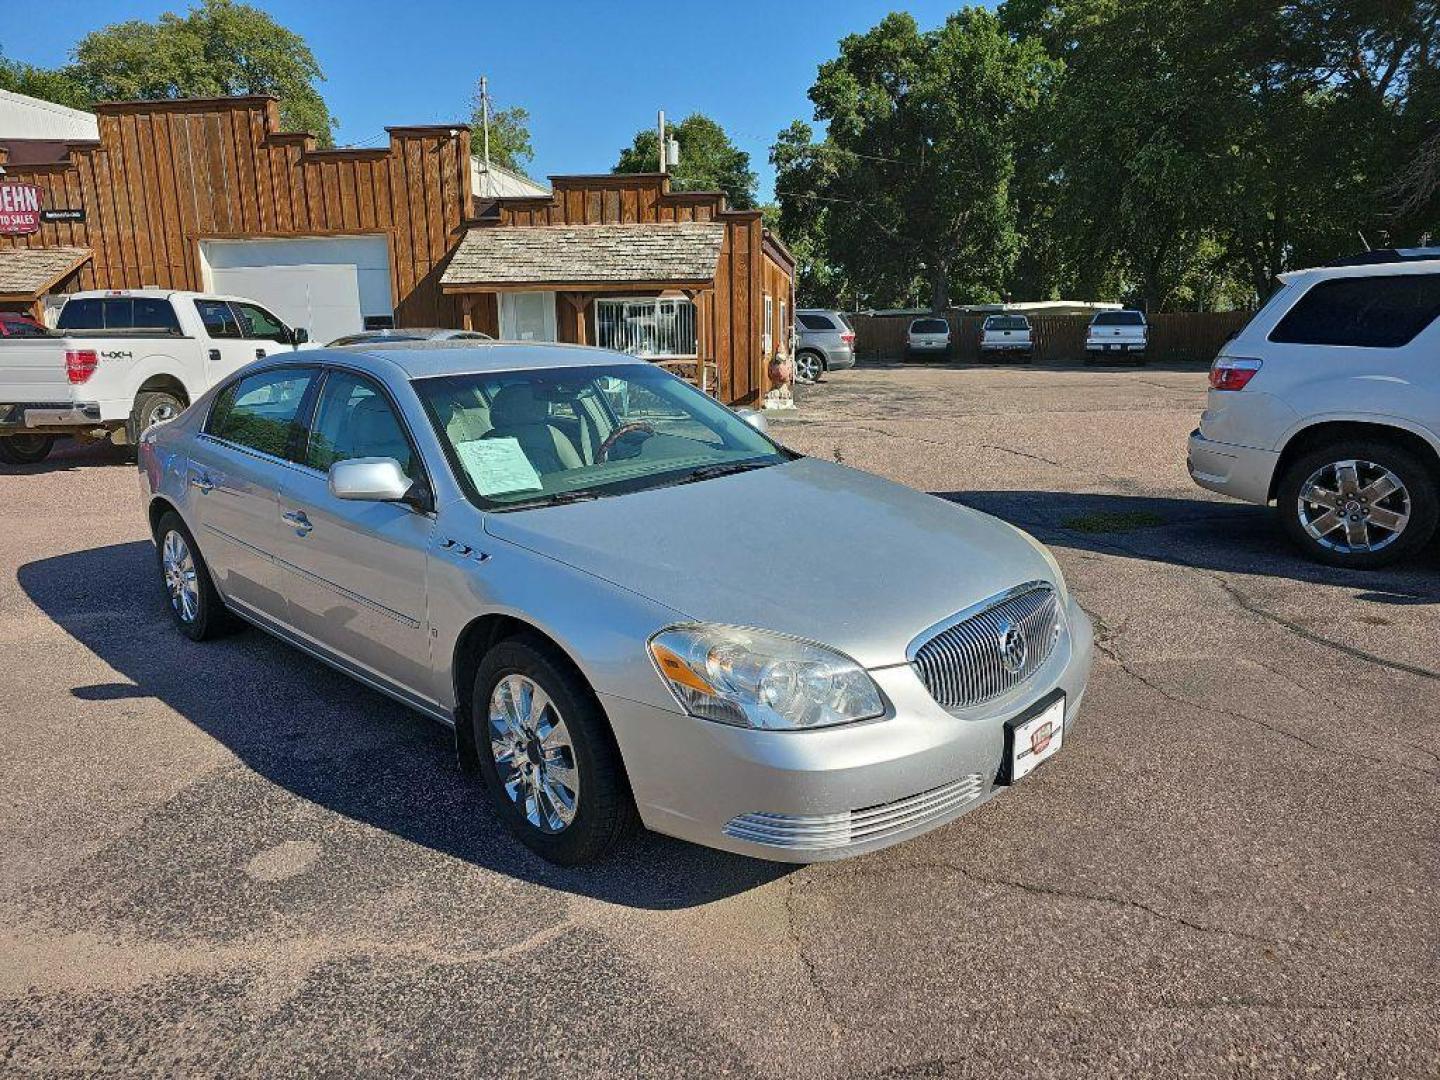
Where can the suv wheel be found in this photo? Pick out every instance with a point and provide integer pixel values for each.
(25, 449)
(809, 367)
(1358, 503)
(551, 767)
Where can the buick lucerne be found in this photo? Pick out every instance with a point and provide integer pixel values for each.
(604, 581)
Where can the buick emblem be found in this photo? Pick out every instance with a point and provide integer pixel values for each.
(1013, 647)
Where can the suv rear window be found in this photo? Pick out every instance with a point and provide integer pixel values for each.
(1380, 312)
(1118, 318)
(119, 313)
(815, 322)
(929, 326)
(1007, 322)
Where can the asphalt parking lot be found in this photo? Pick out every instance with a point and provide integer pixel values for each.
(226, 859)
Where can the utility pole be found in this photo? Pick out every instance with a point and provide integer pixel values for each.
(485, 116)
(660, 144)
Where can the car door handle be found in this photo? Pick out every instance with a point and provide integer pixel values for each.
(299, 521)
(203, 482)
(215, 355)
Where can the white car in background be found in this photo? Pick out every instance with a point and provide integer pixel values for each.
(927, 336)
(1328, 403)
(1006, 335)
(1116, 334)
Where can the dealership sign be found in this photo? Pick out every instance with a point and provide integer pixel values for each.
(19, 209)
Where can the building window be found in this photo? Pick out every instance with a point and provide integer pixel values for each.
(652, 327)
(767, 340)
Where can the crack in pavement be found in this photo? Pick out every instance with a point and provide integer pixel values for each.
(1019, 453)
(807, 965)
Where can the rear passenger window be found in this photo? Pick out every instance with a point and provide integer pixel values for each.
(1379, 312)
(815, 322)
(260, 410)
(219, 318)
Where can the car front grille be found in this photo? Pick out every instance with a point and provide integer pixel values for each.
(994, 649)
(821, 831)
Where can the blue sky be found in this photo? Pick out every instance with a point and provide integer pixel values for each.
(591, 74)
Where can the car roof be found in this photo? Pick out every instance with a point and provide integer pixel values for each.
(427, 359)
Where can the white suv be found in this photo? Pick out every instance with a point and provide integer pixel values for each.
(1328, 403)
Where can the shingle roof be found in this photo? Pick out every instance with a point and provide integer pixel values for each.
(582, 254)
(30, 271)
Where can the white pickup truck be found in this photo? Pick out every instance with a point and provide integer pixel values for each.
(1120, 333)
(119, 361)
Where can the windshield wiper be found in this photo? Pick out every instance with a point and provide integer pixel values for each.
(729, 468)
(559, 498)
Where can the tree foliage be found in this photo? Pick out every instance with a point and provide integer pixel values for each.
(709, 161)
(218, 48)
(912, 182)
(510, 145)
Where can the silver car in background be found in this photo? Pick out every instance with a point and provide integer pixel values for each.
(563, 554)
(824, 341)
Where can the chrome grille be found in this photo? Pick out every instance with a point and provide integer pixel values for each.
(812, 831)
(967, 663)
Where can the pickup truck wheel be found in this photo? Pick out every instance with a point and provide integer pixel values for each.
(151, 408)
(26, 449)
(195, 605)
(551, 768)
(1358, 503)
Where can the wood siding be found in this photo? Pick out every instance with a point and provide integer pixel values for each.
(728, 315)
(166, 175)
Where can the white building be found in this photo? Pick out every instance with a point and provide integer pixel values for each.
(24, 117)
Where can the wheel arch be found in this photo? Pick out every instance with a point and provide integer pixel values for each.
(479, 636)
(1328, 431)
(158, 508)
(165, 383)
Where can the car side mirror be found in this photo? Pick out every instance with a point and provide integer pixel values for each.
(299, 336)
(755, 418)
(374, 479)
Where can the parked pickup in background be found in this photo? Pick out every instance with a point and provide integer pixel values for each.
(119, 361)
(1120, 333)
(1007, 335)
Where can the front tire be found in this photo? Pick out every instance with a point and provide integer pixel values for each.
(195, 605)
(552, 771)
(151, 408)
(1358, 503)
(26, 449)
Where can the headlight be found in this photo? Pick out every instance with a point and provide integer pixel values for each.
(751, 678)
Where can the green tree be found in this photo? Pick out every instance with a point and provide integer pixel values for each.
(510, 145)
(709, 161)
(219, 48)
(57, 86)
(914, 176)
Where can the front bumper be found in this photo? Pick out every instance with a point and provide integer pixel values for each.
(1242, 472)
(810, 796)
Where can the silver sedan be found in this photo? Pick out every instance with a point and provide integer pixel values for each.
(599, 578)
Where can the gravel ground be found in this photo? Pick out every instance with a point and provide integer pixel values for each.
(226, 859)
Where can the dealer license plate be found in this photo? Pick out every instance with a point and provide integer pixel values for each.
(1036, 739)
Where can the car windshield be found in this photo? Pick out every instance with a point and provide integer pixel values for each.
(520, 439)
(1119, 318)
(1006, 322)
(929, 326)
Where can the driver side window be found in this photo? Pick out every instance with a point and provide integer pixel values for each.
(354, 419)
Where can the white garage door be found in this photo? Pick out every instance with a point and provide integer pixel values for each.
(327, 284)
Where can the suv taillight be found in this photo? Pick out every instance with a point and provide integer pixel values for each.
(80, 364)
(848, 337)
(1232, 372)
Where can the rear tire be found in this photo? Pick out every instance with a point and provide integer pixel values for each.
(552, 755)
(1320, 476)
(26, 449)
(194, 602)
(152, 407)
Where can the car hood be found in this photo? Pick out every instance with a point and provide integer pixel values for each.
(807, 548)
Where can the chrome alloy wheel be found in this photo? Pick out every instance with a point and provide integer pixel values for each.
(180, 577)
(1354, 506)
(808, 367)
(533, 753)
(162, 413)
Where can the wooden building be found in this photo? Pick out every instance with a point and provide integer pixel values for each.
(209, 195)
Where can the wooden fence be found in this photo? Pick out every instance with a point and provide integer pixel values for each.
(1178, 335)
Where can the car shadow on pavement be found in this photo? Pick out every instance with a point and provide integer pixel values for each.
(337, 744)
(1208, 535)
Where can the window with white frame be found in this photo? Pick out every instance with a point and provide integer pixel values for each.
(767, 340)
(654, 327)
